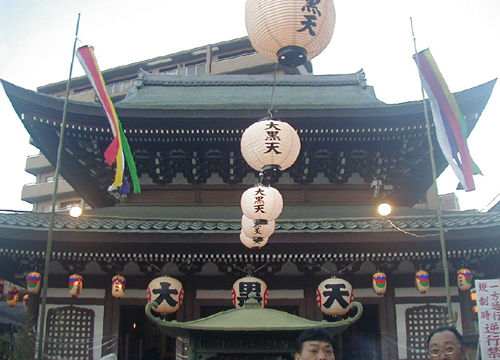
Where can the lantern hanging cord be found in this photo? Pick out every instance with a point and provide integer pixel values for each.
(348, 266)
(409, 233)
(272, 110)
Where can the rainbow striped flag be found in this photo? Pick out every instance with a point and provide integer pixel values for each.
(451, 128)
(119, 149)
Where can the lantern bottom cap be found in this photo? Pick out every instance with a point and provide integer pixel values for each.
(292, 56)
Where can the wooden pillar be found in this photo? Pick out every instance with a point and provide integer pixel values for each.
(111, 324)
(389, 349)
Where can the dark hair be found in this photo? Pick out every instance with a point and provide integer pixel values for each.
(318, 334)
(446, 328)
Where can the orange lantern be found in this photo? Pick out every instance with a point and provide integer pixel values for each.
(167, 292)
(25, 301)
(118, 286)
(75, 285)
(255, 242)
(335, 296)
(464, 279)
(290, 31)
(270, 144)
(33, 282)
(13, 296)
(249, 284)
(261, 203)
(422, 281)
(2, 285)
(379, 282)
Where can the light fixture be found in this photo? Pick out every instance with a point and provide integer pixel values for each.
(290, 32)
(257, 228)
(167, 292)
(384, 209)
(261, 202)
(75, 211)
(334, 296)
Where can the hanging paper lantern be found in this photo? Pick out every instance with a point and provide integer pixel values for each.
(255, 228)
(255, 242)
(13, 296)
(290, 31)
(75, 285)
(464, 279)
(270, 143)
(422, 281)
(2, 285)
(379, 283)
(167, 292)
(334, 296)
(25, 301)
(249, 284)
(261, 203)
(118, 286)
(33, 281)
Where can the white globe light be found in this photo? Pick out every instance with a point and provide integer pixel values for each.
(75, 211)
(384, 209)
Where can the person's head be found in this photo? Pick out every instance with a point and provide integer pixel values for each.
(446, 343)
(314, 344)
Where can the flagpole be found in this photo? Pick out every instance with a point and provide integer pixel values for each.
(444, 253)
(48, 252)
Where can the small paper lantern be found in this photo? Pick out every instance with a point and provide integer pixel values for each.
(13, 296)
(167, 292)
(379, 283)
(118, 286)
(422, 281)
(255, 228)
(75, 285)
(270, 143)
(261, 203)
(2, 285)
(464, 279)
(25, 301)
(33, 282)
(334, 296)
(290, 31)
(249, 284)
(255, 242)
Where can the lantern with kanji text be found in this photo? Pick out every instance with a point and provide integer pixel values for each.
(33, 282)
(335, 296)
(118, 286)
(261, 203)
(244, 286)
(464, 279)
(75, 285)
(379, 282)
(254, 242)
(290, 31)
(422, 281)
(167, 292)
(13, 296)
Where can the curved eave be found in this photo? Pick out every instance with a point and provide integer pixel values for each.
(250, 320)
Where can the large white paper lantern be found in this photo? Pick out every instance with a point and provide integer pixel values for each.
(290, 31)
(254, 242)
(167, 292)
(257, 228)
(75, 285)
(270, 143)
(261, 203)
(249, 284)
(335, 296)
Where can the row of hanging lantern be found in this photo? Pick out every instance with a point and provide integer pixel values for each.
(422, 281)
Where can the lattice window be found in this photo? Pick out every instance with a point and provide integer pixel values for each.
(70, 333)
(420, 321)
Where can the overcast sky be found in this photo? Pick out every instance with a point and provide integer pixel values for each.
(36, 41)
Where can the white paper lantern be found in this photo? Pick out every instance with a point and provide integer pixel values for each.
(379, 283)
(167, 292)
(249, 284)
(13, 296)
(252, 228)
(261, 203)
(464, 279)
(334, 296)
(254, 242)
(75, 285)
(118, 286)
(270, 142)
(290, 31)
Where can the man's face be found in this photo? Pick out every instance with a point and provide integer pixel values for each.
(443, 342)
(316, 350)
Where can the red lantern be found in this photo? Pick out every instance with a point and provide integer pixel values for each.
(261, 203)
(422, 281)
(75, 285)
(33, 281)
(118, 286)
(244, 286)
(379, 283)
(464, 279)
(335, 296)
(167, 292)
(13, 296)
